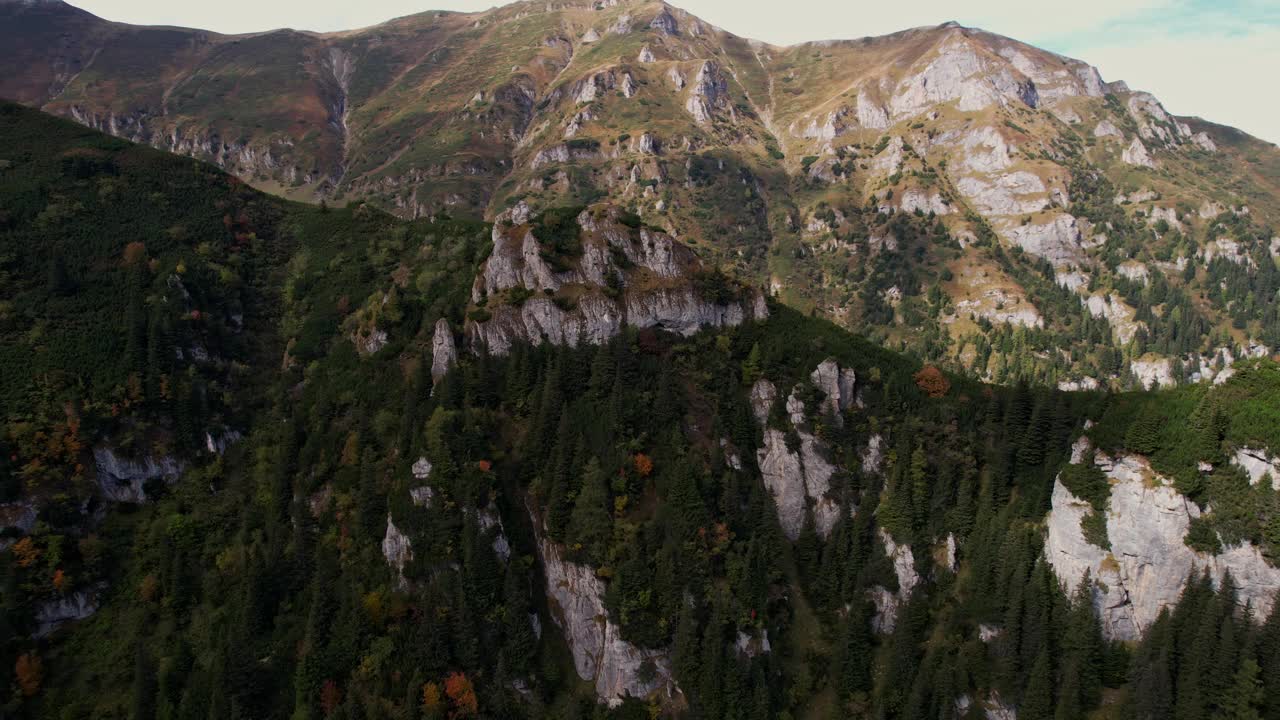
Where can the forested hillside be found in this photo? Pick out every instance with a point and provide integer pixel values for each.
(964, 197)
(258, 466)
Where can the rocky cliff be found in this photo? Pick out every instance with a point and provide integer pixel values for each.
(615, 667)
(591, 275)
(1148, 562)
(799, 478)
(775, 161)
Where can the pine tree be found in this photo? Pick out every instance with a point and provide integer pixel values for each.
(856, 656)
(751, 366)
(1143, 435)
(1037, 701)
(591, 525)
(1245, 695)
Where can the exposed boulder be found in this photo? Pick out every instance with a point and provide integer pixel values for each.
(646, 55)
(600, 655)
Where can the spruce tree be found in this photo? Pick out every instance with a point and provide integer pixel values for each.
(591, 524)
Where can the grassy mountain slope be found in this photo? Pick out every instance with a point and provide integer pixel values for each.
(1060, 211)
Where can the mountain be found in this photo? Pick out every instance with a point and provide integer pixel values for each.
(970, 199)
(266, 459)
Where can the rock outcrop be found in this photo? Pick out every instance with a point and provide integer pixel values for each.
(1148, 563)
(397, 550)
(16, 518)
(124, 480)
(1259, 465)
(624, 275)
(887, 603)
(444, 353)
(1136, 154)
(959, 73)
(709, 93)
(52, 614)
(600, 655)
(800, 480)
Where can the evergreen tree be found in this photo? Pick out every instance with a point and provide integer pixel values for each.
(1037, 701)
(591, 524)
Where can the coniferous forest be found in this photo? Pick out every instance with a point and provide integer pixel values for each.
(343, 535)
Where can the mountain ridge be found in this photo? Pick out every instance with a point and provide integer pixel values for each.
(773, 162)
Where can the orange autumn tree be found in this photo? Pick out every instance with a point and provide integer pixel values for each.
(432, 700)
(25, 552)
(931, 380)
(644, 465)
(463, 695)
(30, 672)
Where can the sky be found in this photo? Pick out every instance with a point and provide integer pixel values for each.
(1213, 58)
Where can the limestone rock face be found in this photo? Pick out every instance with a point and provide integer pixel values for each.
(915, 199)
(1015, 193)
(444, 353)
(654, 289)
(958, 73)
(665, 23)
(1117, 313)
(1106, 128)
(873, 456)
(54, 613)
(836, 384)
(1149, 563)
(710, 92)
(600, 655)
(20, 516)
(123, 480)
(887, 603)
(984, 150)
(1057, 241)
(763, 395)
(1153, 372)
(800, 480)
(397, 549)
(1259, 464)
(1136, 154)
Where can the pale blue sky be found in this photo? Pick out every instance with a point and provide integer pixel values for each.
(1213, 58)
